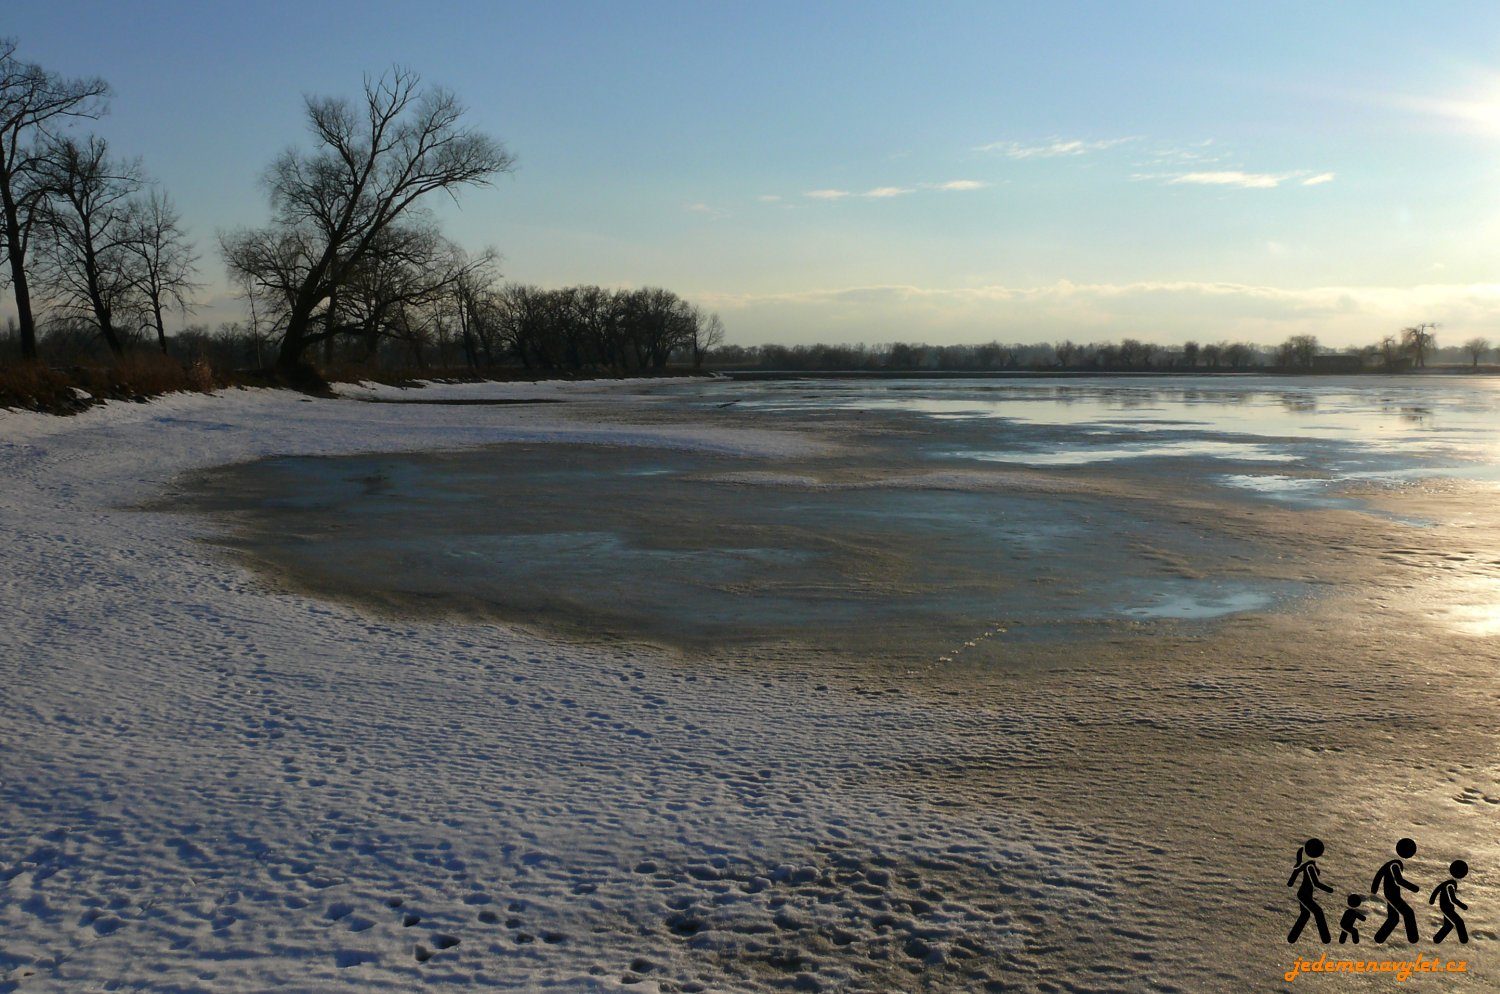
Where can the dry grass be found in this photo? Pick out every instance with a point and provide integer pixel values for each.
(140, 376)
(35, 387)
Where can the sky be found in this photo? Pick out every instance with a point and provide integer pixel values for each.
(939, 172)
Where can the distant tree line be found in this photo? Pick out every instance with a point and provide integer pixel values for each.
(1127, 355)
(471, 324)
(1413, 348)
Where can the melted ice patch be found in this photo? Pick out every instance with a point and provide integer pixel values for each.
(1204, 605)
(1186, 449)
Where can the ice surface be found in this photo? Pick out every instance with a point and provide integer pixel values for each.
(212, 784)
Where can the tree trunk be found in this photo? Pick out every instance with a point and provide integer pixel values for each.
(294, 342)
(161, 329)
(471, 354)
(18, 282)
(112, 339)
(106, 323)
(107, 329)
(330, 322)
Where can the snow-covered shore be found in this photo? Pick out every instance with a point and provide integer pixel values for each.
(209, 786)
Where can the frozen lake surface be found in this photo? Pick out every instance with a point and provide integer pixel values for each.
(215, 783)
(1336, 428)
(904, 547)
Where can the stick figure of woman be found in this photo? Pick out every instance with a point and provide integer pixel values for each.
(1446, 896)
(1307, 869)
(1390, 883)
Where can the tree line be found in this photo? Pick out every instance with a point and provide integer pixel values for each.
(84, 230)
(1412, 348)
(350, 266)
(475, 324)
(1127, 355)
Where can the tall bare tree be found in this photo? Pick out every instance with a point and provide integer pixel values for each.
(163, 260)
(1190, 353)
(1390, 352)
(1418, 340)
(408, 269)
(658, 323)
(1238, 355)
(708, 333)
(89, 228)
(34, 103)
(370, 166)
(472, 297)
(1299, 351)
(1476, 349)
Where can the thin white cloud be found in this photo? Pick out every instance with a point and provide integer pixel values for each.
(886, 192)
(1193, 155)
(1053, 147)
(956, 184)
(770, 198)
(706, 210)
(1232, 177)
(1241, 179)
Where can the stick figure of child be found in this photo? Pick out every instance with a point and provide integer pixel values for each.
(1446, 896)
(1349, 923)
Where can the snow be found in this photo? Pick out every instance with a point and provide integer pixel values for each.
(211, 785)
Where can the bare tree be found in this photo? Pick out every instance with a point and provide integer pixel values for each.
(1297, 351)
(471, 297)
(1390, 352)
(1476, 348)
(371, 165)
(407, 269)
(1238, 355)
(481, 321)
(658, 323)
(1134, 354)
(33, 104)
(1418, 340)
(708, 333)
(88, 228)
(164, 260)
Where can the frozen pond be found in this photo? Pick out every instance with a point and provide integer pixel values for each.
(678, 547)
(863, 553)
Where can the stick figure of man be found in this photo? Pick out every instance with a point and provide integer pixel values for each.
(1389, 883)
(1446, 896)
(1349, 923)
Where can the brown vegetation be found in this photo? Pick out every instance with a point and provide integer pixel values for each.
(36, 387)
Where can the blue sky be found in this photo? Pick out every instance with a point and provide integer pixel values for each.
(871, 171)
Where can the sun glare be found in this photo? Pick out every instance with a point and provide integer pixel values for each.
(1472, 605)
